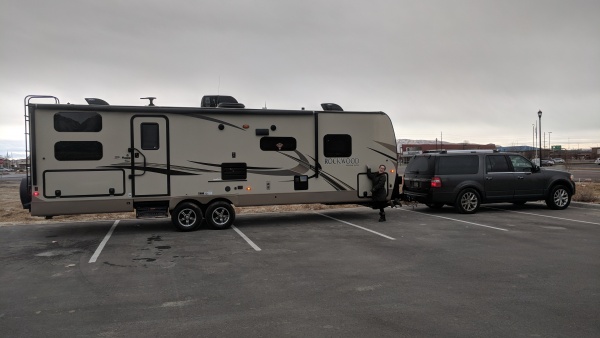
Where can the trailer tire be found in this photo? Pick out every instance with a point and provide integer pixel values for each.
(25, 194)
(220, 215)
(186, 217)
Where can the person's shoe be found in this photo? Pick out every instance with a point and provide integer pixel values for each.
(382, 218)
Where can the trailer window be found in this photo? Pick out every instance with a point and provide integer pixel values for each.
(75, 122)
(78, 151)
(277, 143)
(149, 132)
(337, 145)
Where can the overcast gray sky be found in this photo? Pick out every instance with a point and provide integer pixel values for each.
(471, 70)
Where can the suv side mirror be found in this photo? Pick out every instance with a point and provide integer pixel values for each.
(535, 169)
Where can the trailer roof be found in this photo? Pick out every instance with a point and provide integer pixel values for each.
(185, 110)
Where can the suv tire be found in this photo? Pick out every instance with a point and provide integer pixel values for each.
(467, 201)
(559, 198)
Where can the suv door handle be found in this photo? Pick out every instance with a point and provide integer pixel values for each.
(520, 177)
(488, 178)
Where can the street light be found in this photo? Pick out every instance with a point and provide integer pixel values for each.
(540, 133)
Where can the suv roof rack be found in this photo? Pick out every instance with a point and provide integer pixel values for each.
(470, 151)
(461, 151)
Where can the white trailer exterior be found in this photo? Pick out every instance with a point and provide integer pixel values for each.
(195, 163)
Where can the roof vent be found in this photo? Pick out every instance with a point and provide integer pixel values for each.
(331, 106)
(97, 102)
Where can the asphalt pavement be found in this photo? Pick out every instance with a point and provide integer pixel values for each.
(506, 271)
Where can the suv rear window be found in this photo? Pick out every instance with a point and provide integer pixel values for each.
(421, 165)
(458, 165)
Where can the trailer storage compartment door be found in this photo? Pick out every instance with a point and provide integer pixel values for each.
(84, 183)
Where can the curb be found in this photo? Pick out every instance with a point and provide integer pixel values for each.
(586, 205)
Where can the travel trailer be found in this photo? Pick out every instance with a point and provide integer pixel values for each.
(196, 163)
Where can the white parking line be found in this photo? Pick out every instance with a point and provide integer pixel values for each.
(560, 218)
(457, 220)
(357, 226)
(103, 243)
(246, 238)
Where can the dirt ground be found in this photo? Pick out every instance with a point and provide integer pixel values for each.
(11, 211)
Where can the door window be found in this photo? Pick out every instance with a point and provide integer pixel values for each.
(149, 135)
(521, 164)
(496, 164)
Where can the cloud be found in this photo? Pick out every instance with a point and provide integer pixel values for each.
(477, 70)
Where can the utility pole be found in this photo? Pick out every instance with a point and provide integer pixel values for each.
(540, 133)
(533, 137)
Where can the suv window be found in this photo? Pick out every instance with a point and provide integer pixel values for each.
(521, 164)
(421, 165)
(496, 164)
(458, 165)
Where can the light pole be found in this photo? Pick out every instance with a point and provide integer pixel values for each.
(549, 143)
(540, 133)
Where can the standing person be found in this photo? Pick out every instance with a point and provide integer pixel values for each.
(378, 191)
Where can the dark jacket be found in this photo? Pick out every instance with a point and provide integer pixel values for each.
(378, 191)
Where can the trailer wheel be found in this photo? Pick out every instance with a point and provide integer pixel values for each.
(220, 215)
(186, 217)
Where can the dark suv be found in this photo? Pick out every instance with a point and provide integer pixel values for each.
(466, 179)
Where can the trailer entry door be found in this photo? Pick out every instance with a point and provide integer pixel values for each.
(150, 156)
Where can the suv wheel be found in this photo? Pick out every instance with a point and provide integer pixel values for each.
(468, 201)
(559, 198)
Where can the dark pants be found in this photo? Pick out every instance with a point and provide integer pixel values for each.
(380, 206)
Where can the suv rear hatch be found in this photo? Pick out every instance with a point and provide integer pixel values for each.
(418, 174)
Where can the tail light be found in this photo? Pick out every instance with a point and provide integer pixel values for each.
(436, 182)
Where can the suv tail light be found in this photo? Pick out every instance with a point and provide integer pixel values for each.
(436, 182)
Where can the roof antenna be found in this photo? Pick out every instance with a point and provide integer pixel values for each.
(149, 98)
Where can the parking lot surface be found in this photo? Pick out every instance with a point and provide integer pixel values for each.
(506, 271)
